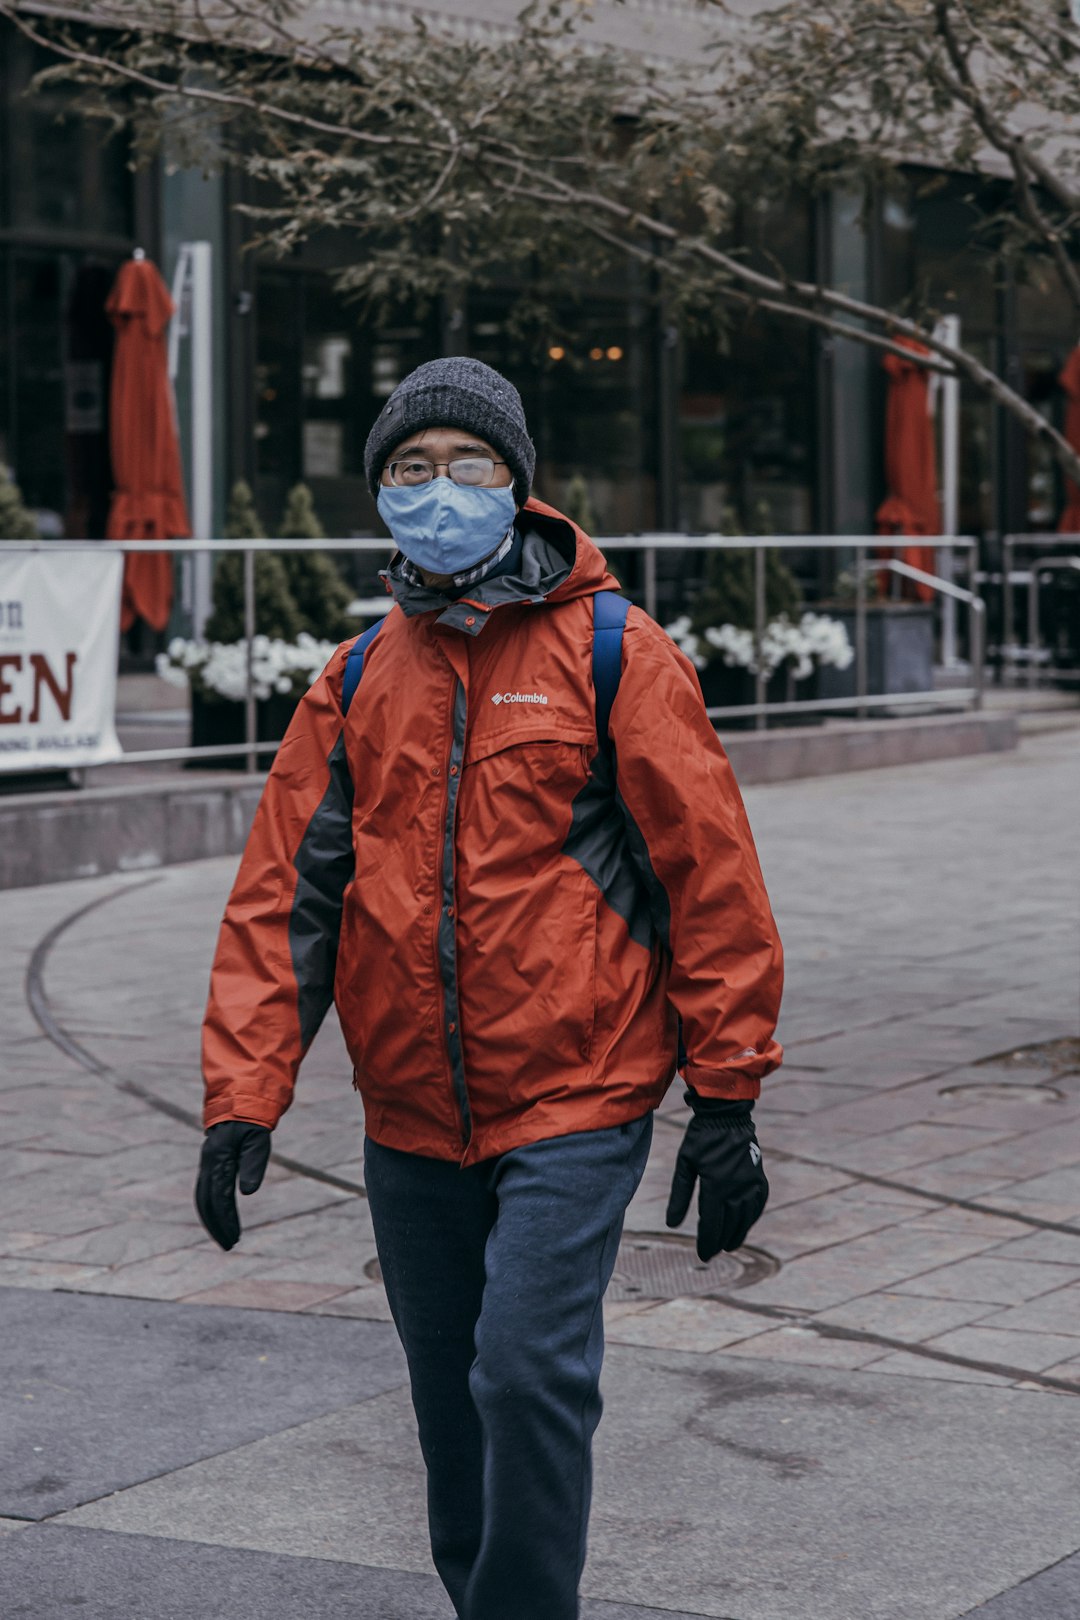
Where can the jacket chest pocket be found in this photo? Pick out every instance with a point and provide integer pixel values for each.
(518, 790)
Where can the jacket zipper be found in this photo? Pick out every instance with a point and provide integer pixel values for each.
(446, 931)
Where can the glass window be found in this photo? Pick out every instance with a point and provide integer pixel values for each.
(60, 352)
(7, 373)
(952, 276)
(322, 375)
(589, 401)
(64, 172)
(746, 435)
(277, 402)
(1045, 324)
(896, 261)
(39, 384)
(746, 403)
(64, 192)
(331, 444)
(976, 496)
(87, 363)
(55, 382)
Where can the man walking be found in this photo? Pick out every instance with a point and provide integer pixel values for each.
(515, 858)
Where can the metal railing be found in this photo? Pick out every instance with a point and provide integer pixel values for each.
(861, 544)
(651, 546)
(1012, 652)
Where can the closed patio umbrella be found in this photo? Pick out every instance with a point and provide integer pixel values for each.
(911, 505)
(148, 498)
(1069, 378)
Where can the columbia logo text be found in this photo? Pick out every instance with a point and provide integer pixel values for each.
(519, 697)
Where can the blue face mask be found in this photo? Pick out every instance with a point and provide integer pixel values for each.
(444, 527)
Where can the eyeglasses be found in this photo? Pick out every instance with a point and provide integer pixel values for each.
(475, 471)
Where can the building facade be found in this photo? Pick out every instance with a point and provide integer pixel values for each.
(639, 425)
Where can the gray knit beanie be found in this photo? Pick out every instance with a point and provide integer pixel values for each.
(460, 393)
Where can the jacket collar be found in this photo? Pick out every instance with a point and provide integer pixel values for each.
(543, 568)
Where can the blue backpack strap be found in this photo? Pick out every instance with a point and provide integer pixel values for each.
(609, 617)
(354, 664)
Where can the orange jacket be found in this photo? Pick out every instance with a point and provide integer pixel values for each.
(508, 935)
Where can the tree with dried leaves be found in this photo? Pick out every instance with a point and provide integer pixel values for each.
(450, 159)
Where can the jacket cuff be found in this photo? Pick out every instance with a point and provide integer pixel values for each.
(727, 1084)
(247, 1106)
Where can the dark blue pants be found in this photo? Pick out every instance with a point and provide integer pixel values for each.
(495, 1277)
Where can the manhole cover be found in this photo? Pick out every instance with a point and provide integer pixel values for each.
(1059, 1056)
(654, 1266)
(1004, 1091)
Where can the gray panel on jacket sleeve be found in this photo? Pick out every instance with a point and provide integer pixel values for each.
(598, 842)
(659, 904)
(325, 864)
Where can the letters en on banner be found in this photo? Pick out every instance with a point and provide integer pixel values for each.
(59, 632)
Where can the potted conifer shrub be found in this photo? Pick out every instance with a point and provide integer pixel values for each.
(286, 654)
(321, 595)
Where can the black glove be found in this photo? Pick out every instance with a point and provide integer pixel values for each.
(231, 1146)
(721, 1148)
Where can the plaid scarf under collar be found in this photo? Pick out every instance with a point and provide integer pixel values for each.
(411, 573)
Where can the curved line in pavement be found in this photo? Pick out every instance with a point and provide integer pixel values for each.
(36, 994)
(38, 1001)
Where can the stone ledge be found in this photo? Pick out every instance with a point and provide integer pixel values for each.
(164, 820)
(831, 750)
(52, 837)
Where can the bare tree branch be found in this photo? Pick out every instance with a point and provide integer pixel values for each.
(201, 93)
(1000, 136)
(437, 140)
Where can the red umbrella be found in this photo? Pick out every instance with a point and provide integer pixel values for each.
(911, 506)
(1070, 382)
(148, 498)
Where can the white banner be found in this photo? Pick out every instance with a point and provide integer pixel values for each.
(59, 633)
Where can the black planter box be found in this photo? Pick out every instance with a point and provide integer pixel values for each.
(723, 686)
(218, 721)
(899, 651)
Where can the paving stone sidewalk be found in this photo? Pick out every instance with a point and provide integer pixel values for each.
(871, 1416)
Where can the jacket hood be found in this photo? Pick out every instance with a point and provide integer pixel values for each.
(588, 570)
(558, 562)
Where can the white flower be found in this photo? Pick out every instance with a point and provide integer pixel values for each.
(814, 641)
(169, 671)
(736, 646)
(828, 639)
(221, 667)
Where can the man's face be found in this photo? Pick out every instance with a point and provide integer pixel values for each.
(421, 456)
(436, 447)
